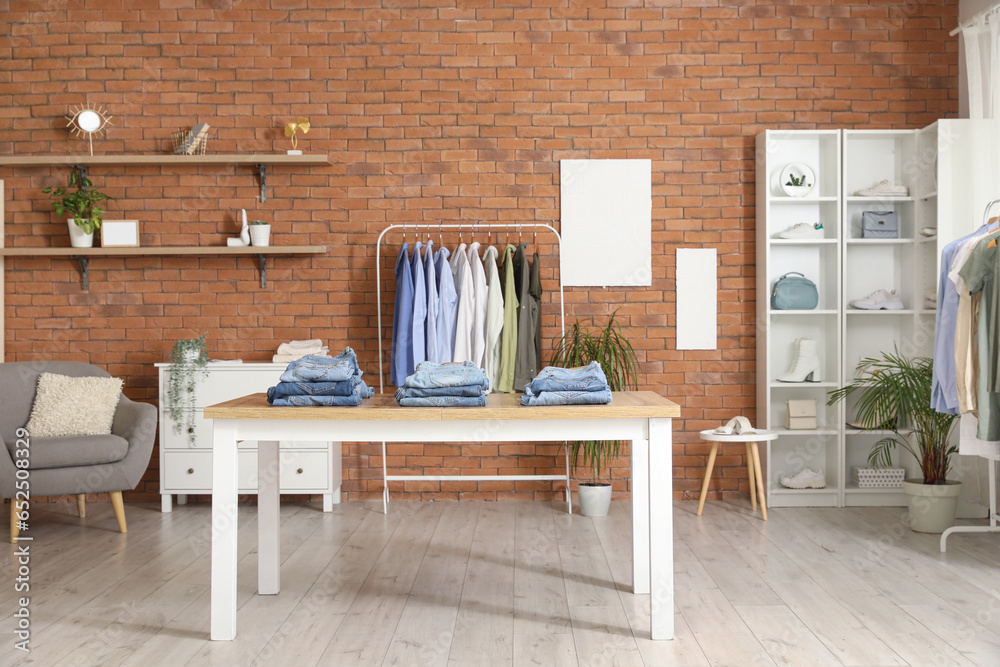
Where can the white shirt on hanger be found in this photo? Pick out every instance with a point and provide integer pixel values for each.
(462, 350)
(479, 288)
(494, 317)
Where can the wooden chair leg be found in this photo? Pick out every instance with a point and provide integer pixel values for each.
(119, 505)
(81, 505)
(708, 476)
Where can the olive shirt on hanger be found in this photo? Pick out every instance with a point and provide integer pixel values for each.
(526, 360)
(508, 337)
(982, 274)
(402, 320)
(494, 317)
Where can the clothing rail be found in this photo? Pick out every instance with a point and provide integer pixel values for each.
(474, 227)
(963, 26)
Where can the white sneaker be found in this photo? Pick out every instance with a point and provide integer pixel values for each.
(807, 478)
(803, 230)
(929, 232)
(883, 189)
(878, 300)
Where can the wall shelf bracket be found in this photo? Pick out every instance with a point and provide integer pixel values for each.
(84, 272)
(82, 170)
(262, 172)
(263, 269)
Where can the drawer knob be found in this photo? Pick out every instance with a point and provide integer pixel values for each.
(190, 389)
(299, 471)
(190, 471)
(190, 429)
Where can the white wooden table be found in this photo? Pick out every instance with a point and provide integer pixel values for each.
(644, 418)
(753, 464)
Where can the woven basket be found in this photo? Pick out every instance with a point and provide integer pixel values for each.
(879, 478)
(179, 138)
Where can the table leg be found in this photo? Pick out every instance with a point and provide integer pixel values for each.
(661, 530)
(708, 476)
(753, 479)
(225, 521)
(640, 517)
(760, 480)
(268, 524)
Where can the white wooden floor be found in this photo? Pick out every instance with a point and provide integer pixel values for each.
(507, 584)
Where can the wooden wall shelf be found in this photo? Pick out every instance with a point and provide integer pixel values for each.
(84, 254)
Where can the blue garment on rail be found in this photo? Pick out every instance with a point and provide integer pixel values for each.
(447, 309)
(433, 304)
(418, 341)
(314, 368)
(402, 320)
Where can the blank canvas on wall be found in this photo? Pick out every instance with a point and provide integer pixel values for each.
(697, 303)
(606, 209)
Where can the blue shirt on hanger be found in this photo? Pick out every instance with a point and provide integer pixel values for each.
(419, 308)
(402, 320)
(430, 278)
(447, 305)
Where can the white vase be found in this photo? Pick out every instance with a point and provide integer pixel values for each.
(77, 237)
(260, 235)
(595, 499)
(932, 506)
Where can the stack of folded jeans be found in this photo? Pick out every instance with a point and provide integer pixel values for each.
(584, 385)
(448, 385)
(320, 380)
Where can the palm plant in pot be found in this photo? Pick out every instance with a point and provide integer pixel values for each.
(894, 395)
(83, 205)
(610, 348)
(188, 365)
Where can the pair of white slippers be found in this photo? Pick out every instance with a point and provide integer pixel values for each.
(736, 426)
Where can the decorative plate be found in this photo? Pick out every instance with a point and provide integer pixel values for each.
(797, 179)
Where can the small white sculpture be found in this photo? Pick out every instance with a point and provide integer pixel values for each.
(244, 238)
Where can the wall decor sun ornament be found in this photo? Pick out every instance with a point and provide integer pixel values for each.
(88, 121)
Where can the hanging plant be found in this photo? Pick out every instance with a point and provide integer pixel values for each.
(188, 366)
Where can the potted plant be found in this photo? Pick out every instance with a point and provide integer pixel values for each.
(612, 350)
(84, 207)
(188, 362)
(260, 233)
(292, 128)
(894, 394)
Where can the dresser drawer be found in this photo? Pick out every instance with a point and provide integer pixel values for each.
(187, 472)
(224, 383)
(191, 471)
(171, 439)
(298, 470)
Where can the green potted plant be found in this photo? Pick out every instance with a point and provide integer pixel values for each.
(612, 350)
(260, 233)
(894, 395)
(84, 207)
(188, 365)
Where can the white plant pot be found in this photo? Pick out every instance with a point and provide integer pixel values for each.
(260, 235)
(293, 152)
(77, 237)
(595, 500)
(932, 506)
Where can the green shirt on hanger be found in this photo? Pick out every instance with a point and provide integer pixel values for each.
(508, 337)
(981, 273)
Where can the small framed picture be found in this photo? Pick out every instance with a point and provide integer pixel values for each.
(120, 233)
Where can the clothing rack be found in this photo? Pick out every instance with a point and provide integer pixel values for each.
(462, 227)
(992, 461)
(987, 13)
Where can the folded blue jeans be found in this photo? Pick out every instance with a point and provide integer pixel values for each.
(443, 401)
(464, 390)
(431, 374)
(345, 388)
(314, 368)
(361, 391)
(567, 398)
(583, 378)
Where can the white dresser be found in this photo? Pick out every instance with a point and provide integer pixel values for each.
(186, 467)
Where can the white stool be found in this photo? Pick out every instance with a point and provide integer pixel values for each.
(753, 464)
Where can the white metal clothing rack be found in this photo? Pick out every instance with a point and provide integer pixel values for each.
(462, 227)
(991, 460)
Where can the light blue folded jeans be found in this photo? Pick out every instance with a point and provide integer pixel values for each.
(314, 368)
(443, 402)
(464, 390)
(345, 388)
(567, 398)
(431, 375)
(583, 378)
(360, 392)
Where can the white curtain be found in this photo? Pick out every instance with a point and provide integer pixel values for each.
(982, 60)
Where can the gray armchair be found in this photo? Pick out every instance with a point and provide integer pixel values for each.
(72, 465)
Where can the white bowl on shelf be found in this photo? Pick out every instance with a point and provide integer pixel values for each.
(798, 170)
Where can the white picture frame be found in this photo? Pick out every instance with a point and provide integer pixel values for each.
(120, 234)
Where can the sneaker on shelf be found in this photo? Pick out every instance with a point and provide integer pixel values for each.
(929, 232)
(803, 230)
(883, 189)
(807, 478)
(880, 299)
(930, 299)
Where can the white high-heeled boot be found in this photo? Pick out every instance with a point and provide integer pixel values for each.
(805, 365)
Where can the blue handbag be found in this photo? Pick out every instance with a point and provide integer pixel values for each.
(793, 291)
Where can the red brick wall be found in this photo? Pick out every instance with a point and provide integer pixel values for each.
(430, 113)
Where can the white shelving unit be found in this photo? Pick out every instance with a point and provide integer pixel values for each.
(942, 167)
